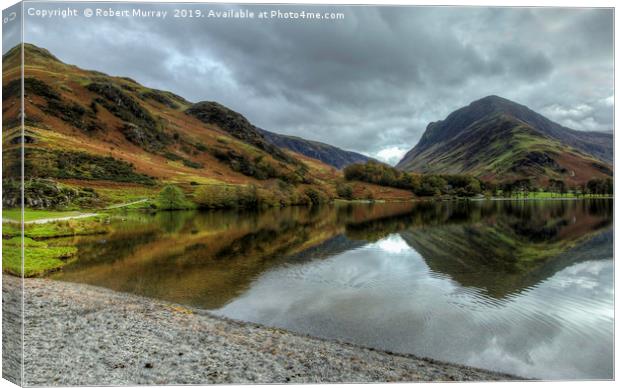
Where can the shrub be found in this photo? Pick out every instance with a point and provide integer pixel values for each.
(81, 165)
(171, 156)
(258, 167)
(226, 196)
(159, 96)
(344, 191)
(192, 164)
(601, 186)
(172, 198)
(316, 197)
(201, 147)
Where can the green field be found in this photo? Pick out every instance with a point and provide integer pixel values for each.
(549, 195)
(65, 228)
(40, 258)
(33, 215)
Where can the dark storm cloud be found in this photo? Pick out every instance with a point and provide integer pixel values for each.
(369, 83)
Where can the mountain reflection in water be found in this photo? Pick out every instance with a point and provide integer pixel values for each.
(524, 287)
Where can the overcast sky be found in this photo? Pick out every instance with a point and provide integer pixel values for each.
(369, 83)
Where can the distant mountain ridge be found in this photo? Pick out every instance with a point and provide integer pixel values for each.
(86, 129)
(495, 138)
(326, 153)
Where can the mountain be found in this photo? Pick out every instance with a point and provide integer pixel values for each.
(326, 153)
(495, 138)
(210, 112)
(92, 139)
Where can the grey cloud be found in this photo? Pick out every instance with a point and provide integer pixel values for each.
(524, 63)
(11, 29)
(367, 83)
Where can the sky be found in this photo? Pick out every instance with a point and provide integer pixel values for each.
(370, 82)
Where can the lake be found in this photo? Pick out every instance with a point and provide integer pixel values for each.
(524, 287)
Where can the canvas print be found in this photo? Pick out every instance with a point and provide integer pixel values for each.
(200, 193)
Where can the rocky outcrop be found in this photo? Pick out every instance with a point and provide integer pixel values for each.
(236, 125)
(45, 194)
(122, 105)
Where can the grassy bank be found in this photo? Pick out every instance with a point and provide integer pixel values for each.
(552, 195)
(34, 215)
(65, 228)
(40, 258)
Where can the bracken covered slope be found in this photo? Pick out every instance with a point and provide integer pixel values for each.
(88, 130)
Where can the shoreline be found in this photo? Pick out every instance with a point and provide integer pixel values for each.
(539, 199)
(88, 213)
(119, 338)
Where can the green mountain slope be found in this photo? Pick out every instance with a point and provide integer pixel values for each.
(496, 139)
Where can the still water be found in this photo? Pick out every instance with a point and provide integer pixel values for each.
(524, 287)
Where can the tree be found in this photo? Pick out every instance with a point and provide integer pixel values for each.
(419, 184)
(601, 186)
(563, 188)
(507, 189)
(315, 197)
(226, 196)
(557, 186)
(491, 188)
(609, 186)
(172, 198)
(247, 197)
(344, 191)
(473, 188)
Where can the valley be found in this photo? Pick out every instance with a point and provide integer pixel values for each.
(92, 141)
(140, 193)
(231, 194)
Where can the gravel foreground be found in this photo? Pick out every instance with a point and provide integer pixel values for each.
(77, 334)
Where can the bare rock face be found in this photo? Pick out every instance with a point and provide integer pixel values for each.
(122, 105)
(45, 194)
(149, 139)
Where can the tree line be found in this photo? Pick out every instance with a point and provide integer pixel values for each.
(523, 187)
(427, 185)
(424, 185)
(420, 184)
(224, 196)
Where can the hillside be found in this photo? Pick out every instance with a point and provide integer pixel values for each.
(92, 139)
(497, 139)
(326, 153)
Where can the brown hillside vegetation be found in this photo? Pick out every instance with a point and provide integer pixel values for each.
(86, 129)
(91, 140)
